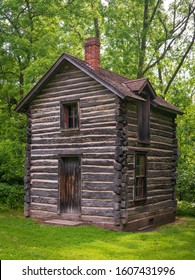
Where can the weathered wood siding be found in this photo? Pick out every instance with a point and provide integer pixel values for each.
(94, 141)
(161, 170)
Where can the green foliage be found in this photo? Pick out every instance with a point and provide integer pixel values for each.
(12, 146)
(185, 208)
(11, 196)
(186, 141)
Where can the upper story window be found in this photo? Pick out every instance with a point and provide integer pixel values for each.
(140, 176)
(69, 115)
(144, 120)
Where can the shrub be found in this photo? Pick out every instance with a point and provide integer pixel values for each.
(12, 196)
(12, 154)
(185, 208)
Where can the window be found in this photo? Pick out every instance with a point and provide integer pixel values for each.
(144, 120)
(69, 116)
(140, 176)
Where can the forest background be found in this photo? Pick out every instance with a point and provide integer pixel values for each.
(139, 38)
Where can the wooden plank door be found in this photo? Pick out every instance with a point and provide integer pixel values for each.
(70, 198)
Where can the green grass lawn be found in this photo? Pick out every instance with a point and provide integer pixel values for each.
(22, 238)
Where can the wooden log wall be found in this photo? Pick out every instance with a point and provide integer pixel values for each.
(95, 141)
(161, 167)
(27, 183)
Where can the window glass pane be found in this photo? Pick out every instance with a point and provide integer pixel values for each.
(71, 115)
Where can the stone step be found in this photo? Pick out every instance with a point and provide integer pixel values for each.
(62, 222)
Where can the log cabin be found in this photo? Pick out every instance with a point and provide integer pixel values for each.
(101, 148)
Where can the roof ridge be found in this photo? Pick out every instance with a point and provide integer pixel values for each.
(135, 80)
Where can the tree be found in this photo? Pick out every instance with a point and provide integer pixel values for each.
(149, 41)
(33, 34)
(139, 38)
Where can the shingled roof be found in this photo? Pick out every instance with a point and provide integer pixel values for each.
(120, 85)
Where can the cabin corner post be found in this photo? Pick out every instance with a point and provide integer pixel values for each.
(120, 182)
(175, 163)
(27, 167)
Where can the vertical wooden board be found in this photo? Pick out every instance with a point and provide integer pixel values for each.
(69, 185)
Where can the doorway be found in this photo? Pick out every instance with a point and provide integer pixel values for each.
(69, 177)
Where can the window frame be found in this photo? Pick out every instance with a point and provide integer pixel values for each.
(64, 114)
(144, 176)
(143, 115)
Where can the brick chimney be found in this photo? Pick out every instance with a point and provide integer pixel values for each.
(92, 52)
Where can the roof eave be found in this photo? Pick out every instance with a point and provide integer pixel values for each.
(175, 112)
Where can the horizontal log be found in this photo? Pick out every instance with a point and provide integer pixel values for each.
(68, 90)
(160, 180)
(139, 217)
(44, 193)
(47, 126)
(70, 73)
(63, 80)
(152, 152)
(97, 203)
(44, 184)
(98, 219)
(45, 105)
(97, 119)
(92, 113)
(131, 128)
(46, 119)
(149, 208)
(101, 177)
(97, 162)
(99, 211)
(63, 151)
(109, 155)
(88, 95)
(158, 191)
(43, 163)
(160, 160)
(72, 145)
(161, 145)
(97, 194)
(105, 124)
(163, 133)
(42, 215)
(54, 133)
(44, 200)
(43, 131)
(73, 139)
(43, 207)
(161, 139)
(64, 85)
(44, 157)
(40, 112)
(97, 169)
(131, 106)
(166, 117)
(160, 166)
(160, 127)
(97, 186)
(44, 176)
(43, 169)
(158, 198)
(131, 120)
(97, 102)
(161, 173)
(98, 108)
